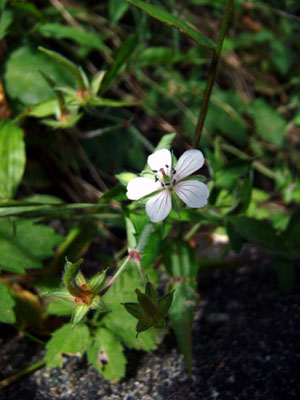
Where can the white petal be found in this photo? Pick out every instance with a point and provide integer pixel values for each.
(189, 162)
(160, 159)
(140, 187)
(193, 193)
(159, 206)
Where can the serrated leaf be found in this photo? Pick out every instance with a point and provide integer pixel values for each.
(165, 302)
(24, 244)
(66, 340)
(143, 324)
(106, 354)
(164, 16)
(12, 158)
(7, 313)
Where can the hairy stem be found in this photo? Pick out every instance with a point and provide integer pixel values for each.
(25, 371)
(212, 72)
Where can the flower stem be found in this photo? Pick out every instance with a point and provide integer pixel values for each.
(212, 72)
(25, 371)
(140, 246)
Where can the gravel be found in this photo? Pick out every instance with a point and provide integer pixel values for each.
(246, 346)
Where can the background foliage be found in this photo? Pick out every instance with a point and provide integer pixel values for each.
(69, 131)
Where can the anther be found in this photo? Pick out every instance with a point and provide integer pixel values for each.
(174, 171)
(174, 181)
(167, 184)
(162, 184)
(155, 171)
(167, 166)
(156, 178)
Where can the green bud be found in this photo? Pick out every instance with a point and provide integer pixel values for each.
(98, 304)
(96, 82)
(79, 313)
(125, 177)
(96, 282)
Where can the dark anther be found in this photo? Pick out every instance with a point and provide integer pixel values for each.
(174, 171)
(174, 181)
(155, 171)
(167, 166)
(156, 178)
(167, 183)
(162, 184)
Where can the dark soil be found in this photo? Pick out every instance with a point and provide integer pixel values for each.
(246, 347)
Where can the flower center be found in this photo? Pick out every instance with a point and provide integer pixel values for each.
(165, 175)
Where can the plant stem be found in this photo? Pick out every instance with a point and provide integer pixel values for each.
(212, 72)
(35, 339)
(25, 371)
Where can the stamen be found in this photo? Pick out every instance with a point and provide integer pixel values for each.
(167, 166)
(155, 171)
(173, 171)
(156, 178)
(162, 171)
(167, 184)
(174, 181)
(162, 184)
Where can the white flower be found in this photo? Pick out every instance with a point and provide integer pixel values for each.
(166, 180)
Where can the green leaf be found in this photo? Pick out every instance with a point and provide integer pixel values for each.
(261, 232)
(43, 109)
(6, 19)
(151, 292)
(270, 125)
(84, 38)
(165, 142)
(236, 241)
(180, 260)
(7, 314)
(12, 158)
(285, 271)
(106, 354)
(116, 10)
(182, 314)
(24, 244)
(292, 231)
(119, 321)
(60, 307)
(122, 57)
(227, 176)
(22, 80)
(165, 302)
(134, 309)
(66, 340)
(164, 16)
